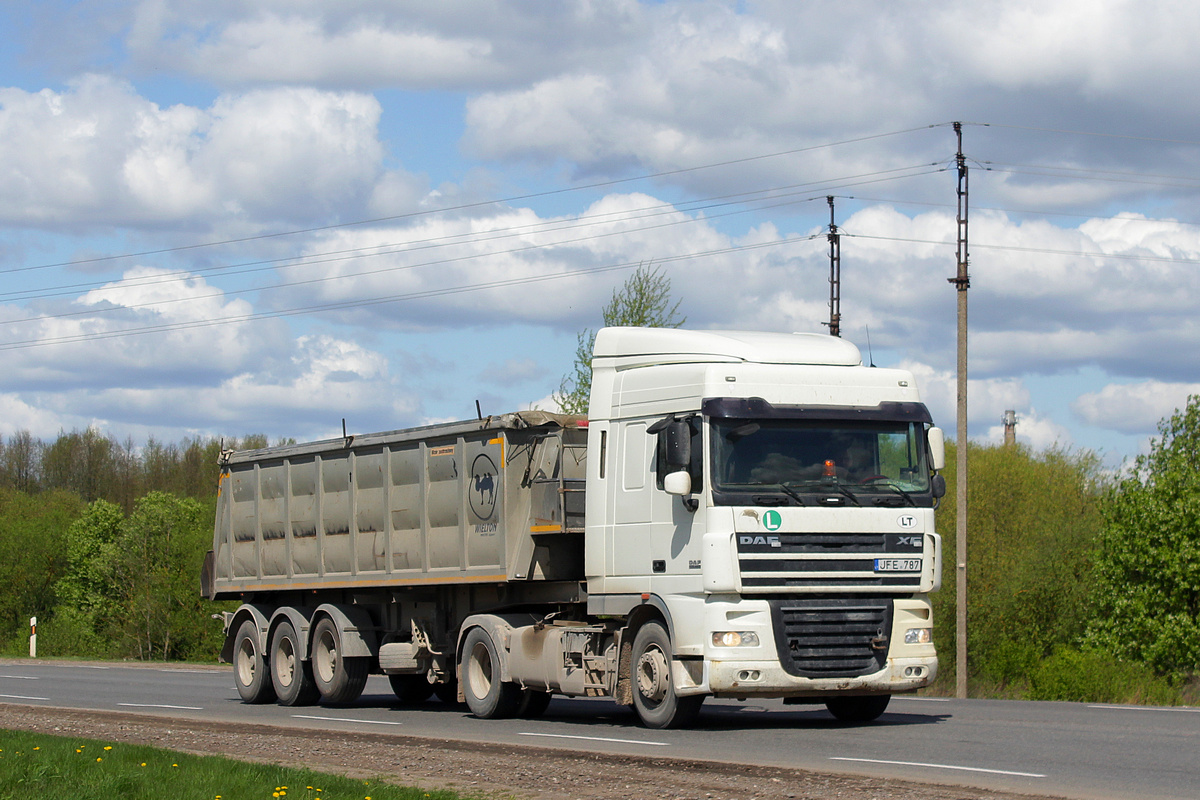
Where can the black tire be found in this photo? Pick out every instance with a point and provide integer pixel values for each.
(487, 696)
(447, 693)
(654, 696)
(534, 703)
(340, 680)
(249, 667)
(411, 689)
(865, 708)
(291, 675)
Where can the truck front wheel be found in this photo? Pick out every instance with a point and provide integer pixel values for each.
(290, 674)
(249, 666)
(858, 709)
(339, 679)
(487, 696)
(654, 697)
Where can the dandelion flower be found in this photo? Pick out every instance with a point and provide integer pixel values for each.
(99, 759)
(109, 747)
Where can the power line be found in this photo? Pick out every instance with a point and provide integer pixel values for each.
(1018, 249)
(784, 199)
(350, 304)
(467, 206)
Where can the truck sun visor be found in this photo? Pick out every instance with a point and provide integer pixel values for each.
(758, 408)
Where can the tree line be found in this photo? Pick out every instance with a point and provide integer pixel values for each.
(1082, 584)
(92, 465)
(103, 540)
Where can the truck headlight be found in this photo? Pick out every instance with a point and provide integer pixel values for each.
(918, 636)
(735, 639)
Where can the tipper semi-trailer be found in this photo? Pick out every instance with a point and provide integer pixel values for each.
(741, 515)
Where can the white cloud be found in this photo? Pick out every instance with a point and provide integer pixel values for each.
(1134, 408)
(191, 375)
(100, 153)
(987, 400)
(1033, 429)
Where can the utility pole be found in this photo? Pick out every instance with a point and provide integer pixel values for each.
(835, 275)
(962, 282)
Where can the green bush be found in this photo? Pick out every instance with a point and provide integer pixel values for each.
(1095, 677)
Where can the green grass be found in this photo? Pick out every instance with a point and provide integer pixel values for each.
(34, 765)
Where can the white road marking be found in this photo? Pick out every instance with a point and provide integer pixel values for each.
(22, 697)
(1146, 708)
(161, 705)
(346, 719)
(924, 699)
(596, 739)
(194, 671)
(19, 677)
(940, 766)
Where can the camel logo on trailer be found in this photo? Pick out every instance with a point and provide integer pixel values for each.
(481, 487)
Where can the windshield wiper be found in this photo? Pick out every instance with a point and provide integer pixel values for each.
(792, 493)
(818, 485)
(881, 501)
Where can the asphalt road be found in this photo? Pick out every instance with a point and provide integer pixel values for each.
(1068, 749)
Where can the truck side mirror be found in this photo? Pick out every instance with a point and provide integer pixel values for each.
(674, 443)
(937, 448)
(678, 448)
(937, 485)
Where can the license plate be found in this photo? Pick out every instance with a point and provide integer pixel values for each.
(897, 565)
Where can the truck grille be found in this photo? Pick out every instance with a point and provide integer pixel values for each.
(787, 562)
(832, 637)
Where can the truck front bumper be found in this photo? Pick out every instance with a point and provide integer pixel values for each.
(768, 679)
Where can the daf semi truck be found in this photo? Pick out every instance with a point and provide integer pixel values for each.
(740, 515)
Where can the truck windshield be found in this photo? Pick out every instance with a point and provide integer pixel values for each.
(775, 461)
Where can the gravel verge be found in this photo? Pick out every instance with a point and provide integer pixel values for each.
(481, 770)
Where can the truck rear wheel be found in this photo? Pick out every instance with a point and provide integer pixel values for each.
(249, 666)
(858, 709)
(654, 697)
(488, 697)
(534, 703)
(291, 676)
(339, 679)
(411, 689)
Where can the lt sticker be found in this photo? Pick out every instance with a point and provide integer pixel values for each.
(771, 520)
(907, 521)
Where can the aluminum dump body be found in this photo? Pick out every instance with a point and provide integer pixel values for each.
(483, 501)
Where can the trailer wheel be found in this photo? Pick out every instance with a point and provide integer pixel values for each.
(487, 696)
(411, 689)
(654, 695)
(865, 708)
(447, 692)
(340, 680)
(249, 666)
(534, 703)
(291, 676)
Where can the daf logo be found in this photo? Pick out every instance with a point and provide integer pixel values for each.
(907, 521)
(759, 539)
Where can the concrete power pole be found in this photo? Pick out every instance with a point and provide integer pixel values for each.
(962, 282)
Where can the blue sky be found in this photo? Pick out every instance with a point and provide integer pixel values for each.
(221, 218)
